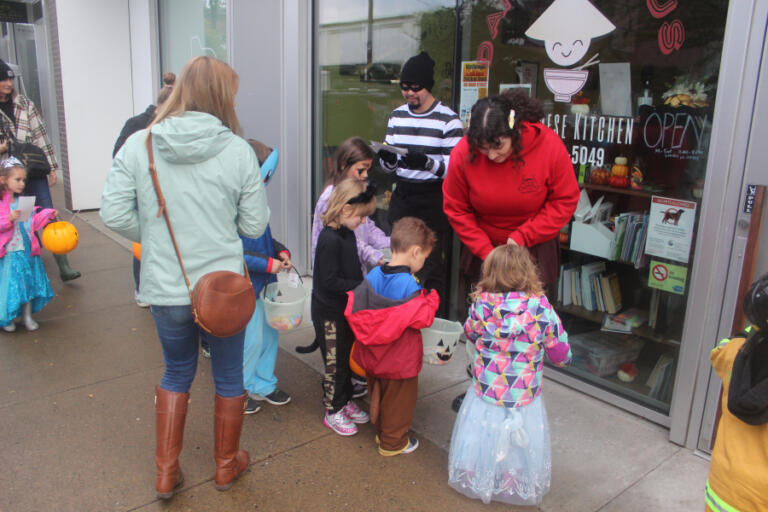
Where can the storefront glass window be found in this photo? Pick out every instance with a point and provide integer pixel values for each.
(361, 49)
(191, 28)
(630, 88)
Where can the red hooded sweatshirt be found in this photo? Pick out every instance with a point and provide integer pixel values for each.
(487, 203)
(389, 341)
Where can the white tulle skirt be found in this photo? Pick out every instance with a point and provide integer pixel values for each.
(500, 454)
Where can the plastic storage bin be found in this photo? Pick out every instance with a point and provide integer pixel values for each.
(602, 353)
(440, 340)
(283, 305)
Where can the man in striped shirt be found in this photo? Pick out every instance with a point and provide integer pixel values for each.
(428, 130)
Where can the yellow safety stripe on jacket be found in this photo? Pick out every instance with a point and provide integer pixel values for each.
(725, 341)
(716, 503)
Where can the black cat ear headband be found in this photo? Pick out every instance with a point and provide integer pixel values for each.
(365, 196)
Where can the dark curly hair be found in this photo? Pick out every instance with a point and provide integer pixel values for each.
(490, 120)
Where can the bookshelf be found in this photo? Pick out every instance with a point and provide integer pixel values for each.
(597, 317)
(614, 190)
(601, 286)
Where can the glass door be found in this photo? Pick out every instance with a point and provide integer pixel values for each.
(630, 89)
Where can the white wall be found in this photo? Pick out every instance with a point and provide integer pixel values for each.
(95, 52)
(143, 59)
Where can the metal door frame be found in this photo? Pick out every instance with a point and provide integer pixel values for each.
(746, 167)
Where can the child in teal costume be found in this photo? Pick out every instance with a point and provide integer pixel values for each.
(265, 258)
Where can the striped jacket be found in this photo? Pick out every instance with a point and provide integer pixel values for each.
(433, 133)
(29, 127)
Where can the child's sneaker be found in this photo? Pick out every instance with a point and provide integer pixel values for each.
(359, 390)
(11, 327)
(355, 414)
(251, 406)
(413, 443)
(277, 397)
(339, 423)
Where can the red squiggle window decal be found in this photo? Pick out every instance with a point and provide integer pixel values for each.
(493, 21)
(485, 51)
(660, 9)
(671, 36)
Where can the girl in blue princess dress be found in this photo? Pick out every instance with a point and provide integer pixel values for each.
(24, 285)
(500, 445)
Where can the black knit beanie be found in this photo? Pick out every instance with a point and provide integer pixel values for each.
(419, 70)
(5, 71)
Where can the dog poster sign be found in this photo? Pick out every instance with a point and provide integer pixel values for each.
(670, 228)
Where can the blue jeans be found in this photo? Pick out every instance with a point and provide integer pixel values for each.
(38, 187)
(260, 354)
(136, 271)
(179, 335)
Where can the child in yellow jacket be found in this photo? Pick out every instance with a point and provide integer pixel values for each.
(738, 473)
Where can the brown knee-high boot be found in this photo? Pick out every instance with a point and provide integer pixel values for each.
(231, 461)
(170, 415)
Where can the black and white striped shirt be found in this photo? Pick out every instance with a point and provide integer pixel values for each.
(433, 133)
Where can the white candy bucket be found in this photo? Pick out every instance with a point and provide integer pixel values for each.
(283, 305)
(440, 340)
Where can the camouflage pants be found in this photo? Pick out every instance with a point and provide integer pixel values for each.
(335, 338)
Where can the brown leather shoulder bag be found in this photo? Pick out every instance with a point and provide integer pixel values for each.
(222, 301)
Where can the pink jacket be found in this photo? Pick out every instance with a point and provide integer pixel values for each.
(39, 221)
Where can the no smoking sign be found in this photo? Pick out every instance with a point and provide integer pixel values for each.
(667, 277)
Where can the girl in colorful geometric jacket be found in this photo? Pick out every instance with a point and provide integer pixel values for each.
(24, 285)
(500, 445)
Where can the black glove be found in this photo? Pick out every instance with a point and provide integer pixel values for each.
(418, 161)
(388, 157)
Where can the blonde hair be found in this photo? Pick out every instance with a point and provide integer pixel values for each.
(204, 85)
(509, 268)
(337, 203)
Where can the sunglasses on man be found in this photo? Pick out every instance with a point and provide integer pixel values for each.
(413, 87)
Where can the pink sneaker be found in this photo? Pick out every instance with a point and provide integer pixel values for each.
(355, 414)
(339, 423)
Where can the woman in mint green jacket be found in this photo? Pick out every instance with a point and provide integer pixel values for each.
(213, 189)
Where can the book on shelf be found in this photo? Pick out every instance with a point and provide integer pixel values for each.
(588, 293)
(629, 239)
(589, 286)
(610, 325)
(611, 290)
(660, 378)
(632, 317)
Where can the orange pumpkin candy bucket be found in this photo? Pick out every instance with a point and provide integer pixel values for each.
(60, 237)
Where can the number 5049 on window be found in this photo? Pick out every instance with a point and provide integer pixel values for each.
(583, 155)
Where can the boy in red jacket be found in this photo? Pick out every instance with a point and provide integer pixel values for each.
(386, 312)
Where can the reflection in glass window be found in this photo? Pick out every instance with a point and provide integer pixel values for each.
(191, 28)
(361, 48)
(630, 88)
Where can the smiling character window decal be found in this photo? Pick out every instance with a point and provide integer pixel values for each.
(567, 28)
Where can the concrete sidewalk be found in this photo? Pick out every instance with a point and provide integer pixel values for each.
(77, 418)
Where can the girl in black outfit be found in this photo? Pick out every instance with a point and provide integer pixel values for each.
(337, 271)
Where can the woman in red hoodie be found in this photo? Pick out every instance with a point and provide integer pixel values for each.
(510, 180)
